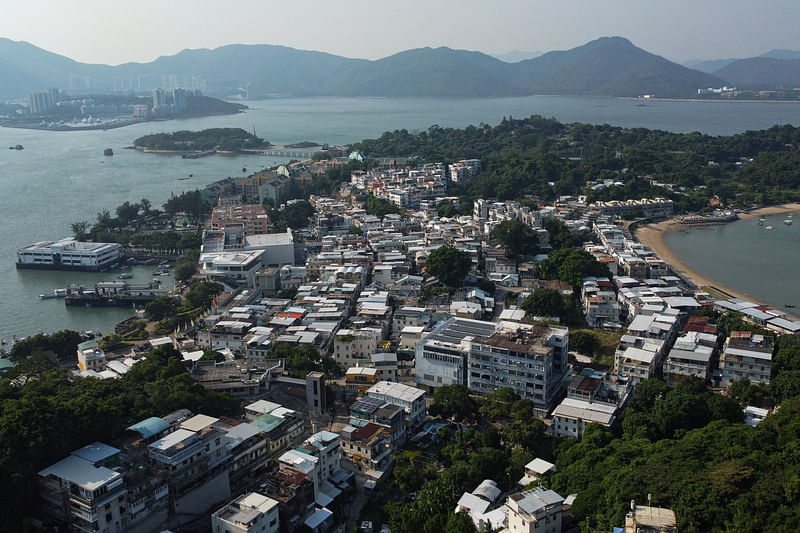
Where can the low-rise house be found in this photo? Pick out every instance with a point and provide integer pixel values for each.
(535, 511)
(411, 399)
(250, 513)
(650, 519)
(359, 379)
(536, 470)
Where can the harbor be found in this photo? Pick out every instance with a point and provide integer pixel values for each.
(114, 294)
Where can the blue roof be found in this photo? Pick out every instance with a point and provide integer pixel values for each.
(96, 452)
(150, 426)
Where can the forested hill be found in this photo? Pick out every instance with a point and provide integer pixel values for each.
(542, 157)
(227, 139)
(610, 66)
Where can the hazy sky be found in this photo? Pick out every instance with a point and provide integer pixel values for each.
(113, 31)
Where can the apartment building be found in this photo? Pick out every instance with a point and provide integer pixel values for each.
(746, 355)
(531, 360)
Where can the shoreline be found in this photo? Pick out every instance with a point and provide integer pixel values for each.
(652, 236)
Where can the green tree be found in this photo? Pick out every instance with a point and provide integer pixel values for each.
(460, 522)
(572, 266)
(202, 294)
(80, 230)
(518, 238)
(454, 401)
(449, 265)
(161, 308)
(545, 303)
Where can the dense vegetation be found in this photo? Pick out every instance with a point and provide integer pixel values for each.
(448, 264)
(227, 139)
(55, 413)
(686, 446)
(544, 158)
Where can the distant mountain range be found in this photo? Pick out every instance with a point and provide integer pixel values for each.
(777, 68)
(609, 66)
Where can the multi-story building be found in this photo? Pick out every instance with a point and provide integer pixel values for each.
(409, 316)
(531, 360)
(600, 305)
(82, 491)
(90, 356)
(591, 398)
(196, 451)
(253, 217)
(352, 344)
(536, 510)
(368, 448)
(411, 399)
(690, 356)
(249, 513)
(391, 417)
(69, 254)
(746, 355)
(464, 170)
(233, 268)
(441, 356)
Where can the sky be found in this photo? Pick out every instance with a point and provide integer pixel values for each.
(114, 32)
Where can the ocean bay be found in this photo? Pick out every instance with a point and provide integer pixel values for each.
(62, 177)
(761, 263)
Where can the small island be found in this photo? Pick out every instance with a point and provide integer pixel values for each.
(192, 144)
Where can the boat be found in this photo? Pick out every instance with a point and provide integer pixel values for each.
(788, 221)
(108, 151)
(788, 305)
(125, 275)
(15, 147)
(768, 227)
(57, 293)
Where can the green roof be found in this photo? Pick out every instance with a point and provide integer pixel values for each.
(6, 364)
(150, 426)
(267, 422)
(87, 344)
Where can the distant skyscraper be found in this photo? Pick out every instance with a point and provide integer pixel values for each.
(159, 98)
(40, 102)
(179, 99)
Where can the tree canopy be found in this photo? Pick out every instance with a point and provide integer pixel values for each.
(517, 237)
(572, 266)
(449, 265)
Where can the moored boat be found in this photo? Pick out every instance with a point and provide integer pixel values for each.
(57, 293)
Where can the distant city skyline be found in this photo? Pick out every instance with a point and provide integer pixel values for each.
(97, 31)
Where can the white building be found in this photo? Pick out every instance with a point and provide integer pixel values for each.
(530, 360)
(535, 511)
(91, 357)
(690, 356)
(352, 344)
(81, 490)
(69, 254)
(571, 416)
(746, 355)
(250, 513)
(231, 267)
(441, 357)
(411, 399)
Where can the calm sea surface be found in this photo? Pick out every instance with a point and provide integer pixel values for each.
(62, 177)
(762, 263)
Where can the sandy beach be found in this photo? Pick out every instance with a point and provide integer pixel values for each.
(652, 236)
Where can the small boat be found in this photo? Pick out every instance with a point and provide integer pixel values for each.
(57, 293)
(788, 305)
(768, 227)
(15, 147)
(125, 275)
(108, 151)
(788, 221)
(3, 342)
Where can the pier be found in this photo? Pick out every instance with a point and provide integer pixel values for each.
(114, 294)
